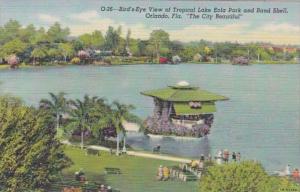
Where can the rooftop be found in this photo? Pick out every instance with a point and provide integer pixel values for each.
(183, 92)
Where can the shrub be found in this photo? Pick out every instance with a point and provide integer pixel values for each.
(233, 177)
(75, 60)
(13, 61)
(83, 54)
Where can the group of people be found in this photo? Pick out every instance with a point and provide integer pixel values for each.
(295, 174)
(180, 173)
(224, 156)
(80, 176)
(163, 173)
(104, 188)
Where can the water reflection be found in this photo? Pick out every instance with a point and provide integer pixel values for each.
(186, 147)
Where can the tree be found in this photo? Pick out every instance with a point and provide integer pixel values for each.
(57, 34)
(15, 46)
(13, 61)
(83, 55)
(78, 118)
(262, 54)
(232, 177)
(57, 105)
(75, 60)
(128, 37)
(31, 157)
(54, 53)
(189, 52)
(77, 44)
(133, 47)
(39, 37)
(112, 39)
(239, 53)
(101, 118)
(159, 39)
(141, 47)
(126, 49)
(27, 34)
(176, 47)
(66, 49)
(86, 40)
(38, 53)
(97, 40)
(80, 115)
(94, 40)
(9, 31)
(207, 50)
(121, 113)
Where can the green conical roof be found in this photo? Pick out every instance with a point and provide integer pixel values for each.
(183, 93)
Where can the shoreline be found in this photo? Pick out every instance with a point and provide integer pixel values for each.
(27, 66)
(173, 137)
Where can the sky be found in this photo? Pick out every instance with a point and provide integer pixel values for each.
(84, 16)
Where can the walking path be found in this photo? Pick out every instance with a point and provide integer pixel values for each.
(139, 154)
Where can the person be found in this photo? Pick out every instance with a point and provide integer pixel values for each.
(160, 173)
(194, 164)
(233, 156)
(287, 170)
(219, 157)
(102, 189)
(109, 189)
(79, 175)
(226, 155)
(202, 158)
(111, 151)
(166, 173)
(296, 174)
(209, 157)
(238, 156)
(158, 148)
(201, 165)
(184, 167)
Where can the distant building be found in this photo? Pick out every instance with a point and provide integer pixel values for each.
(240, 61)
(197, 57)
(164, 60)
(176, 59)
(280, 48)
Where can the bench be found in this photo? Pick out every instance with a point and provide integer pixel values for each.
(90, 151)
(111, 170)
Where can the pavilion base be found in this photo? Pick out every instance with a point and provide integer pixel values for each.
(157, 126)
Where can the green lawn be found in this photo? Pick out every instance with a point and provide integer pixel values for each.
(138, 174)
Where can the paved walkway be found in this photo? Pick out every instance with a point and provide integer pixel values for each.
(139, 154)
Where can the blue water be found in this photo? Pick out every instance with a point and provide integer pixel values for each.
(261, 119)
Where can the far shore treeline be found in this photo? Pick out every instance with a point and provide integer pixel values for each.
(29, 45)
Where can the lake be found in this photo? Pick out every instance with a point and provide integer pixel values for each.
(261, 119)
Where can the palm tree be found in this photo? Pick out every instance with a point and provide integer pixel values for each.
(121, 113)
(102, 117)
(82, 113)
(57, 104)
(79, 117)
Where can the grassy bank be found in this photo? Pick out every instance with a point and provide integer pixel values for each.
(138, 174)
(138, 62)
